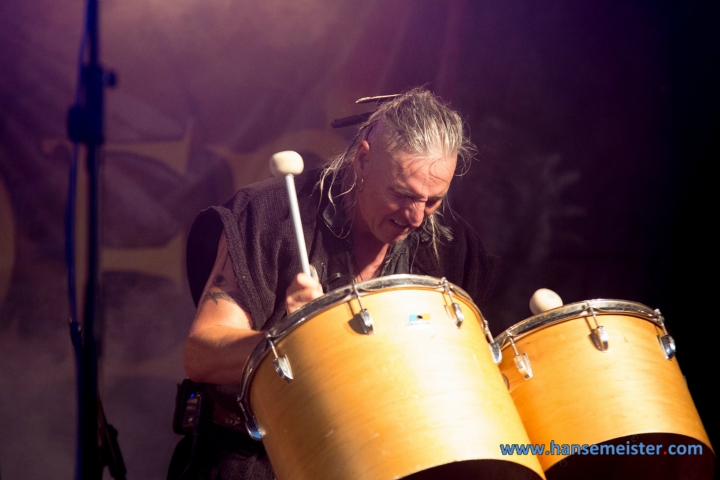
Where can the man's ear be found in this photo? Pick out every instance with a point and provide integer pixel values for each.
(362, 156)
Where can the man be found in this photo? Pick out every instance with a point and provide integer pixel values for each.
(378, 209)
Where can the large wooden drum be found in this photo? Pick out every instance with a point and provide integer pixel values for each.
(391, 378)
(599, 390)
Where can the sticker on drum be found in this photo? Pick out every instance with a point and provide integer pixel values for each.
(416, 395)
(604, 396)
(418, 321)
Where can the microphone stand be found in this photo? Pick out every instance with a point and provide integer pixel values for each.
(97, 441)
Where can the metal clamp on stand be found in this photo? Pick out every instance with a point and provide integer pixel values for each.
(457, 315)
(598, 335)
(667, 343)
(366, 321)
(280, 362)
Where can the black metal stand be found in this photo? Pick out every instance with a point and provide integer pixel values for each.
(97, 441)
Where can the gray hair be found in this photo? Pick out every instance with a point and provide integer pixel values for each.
(417, 122)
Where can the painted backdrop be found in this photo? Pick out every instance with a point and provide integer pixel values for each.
(595, 122)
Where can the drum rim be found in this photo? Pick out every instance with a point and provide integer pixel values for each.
(342, 294)
(327, 301)
(572, 311)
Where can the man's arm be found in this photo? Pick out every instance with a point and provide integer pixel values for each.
(221, 338)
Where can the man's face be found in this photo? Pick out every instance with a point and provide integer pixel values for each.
(399, 189)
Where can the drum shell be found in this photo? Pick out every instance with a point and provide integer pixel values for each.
(583, 396)
(390, 404)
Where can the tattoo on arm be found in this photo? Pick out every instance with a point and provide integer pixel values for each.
(229, 296)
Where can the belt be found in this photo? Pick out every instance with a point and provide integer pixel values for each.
(226, 418)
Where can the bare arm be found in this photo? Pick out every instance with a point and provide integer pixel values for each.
(220, 339)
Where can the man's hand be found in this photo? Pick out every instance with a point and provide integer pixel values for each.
(302, 290)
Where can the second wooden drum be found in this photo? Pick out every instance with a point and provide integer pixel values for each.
(601, 393)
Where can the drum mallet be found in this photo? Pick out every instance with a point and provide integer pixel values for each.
(543, 300)
(288, 164)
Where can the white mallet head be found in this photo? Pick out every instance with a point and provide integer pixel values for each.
(286, 163)
(543, 300)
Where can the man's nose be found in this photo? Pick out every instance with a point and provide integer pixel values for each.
(415, 214)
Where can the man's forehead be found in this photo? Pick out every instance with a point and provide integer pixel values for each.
(407, 161)
(408, 165)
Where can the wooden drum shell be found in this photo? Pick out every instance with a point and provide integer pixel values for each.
(581, 395)
(391, 404)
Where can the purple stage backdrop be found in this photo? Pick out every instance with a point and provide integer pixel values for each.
(594, 121)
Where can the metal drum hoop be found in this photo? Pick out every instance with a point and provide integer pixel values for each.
(572, 311)
(327, 301)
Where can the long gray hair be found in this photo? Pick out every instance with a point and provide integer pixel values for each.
(417, 122)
